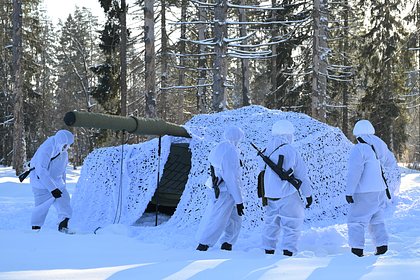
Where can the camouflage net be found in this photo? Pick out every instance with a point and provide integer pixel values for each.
(325, 149)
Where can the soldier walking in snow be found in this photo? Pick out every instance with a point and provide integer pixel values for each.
(48, 180)
(224, 212)
(284, 210)
(366, 189)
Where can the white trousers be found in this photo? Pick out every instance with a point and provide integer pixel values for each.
(367, 213)
(286, 215)
(221, 217)
(43, 201)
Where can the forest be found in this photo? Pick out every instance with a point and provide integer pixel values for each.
(336, 61)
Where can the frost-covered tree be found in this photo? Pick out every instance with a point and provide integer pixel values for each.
(383, 61)
(413, 98)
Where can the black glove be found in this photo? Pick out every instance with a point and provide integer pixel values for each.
(349, 199)
(240, 209)
(56, 193)
(309, 201)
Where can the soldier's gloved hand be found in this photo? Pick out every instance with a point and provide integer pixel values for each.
(56, 193)
(349, 199)
(309, 201)
(240, 209)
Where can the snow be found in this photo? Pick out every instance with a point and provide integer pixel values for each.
(128, 252)
(115, 239)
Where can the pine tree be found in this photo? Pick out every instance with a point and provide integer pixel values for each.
(381, 72)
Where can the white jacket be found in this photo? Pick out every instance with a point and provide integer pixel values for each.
(50, 173)
(364, 172)
(226, 162)
(274, 187)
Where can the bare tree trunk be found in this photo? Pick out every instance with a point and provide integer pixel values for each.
(319, 79)
(220, 49)
(149, 55)
(345, 125)
(123, 57)
(182, 48)
(417, 146)
(244, 61)
(164, 61)
(19, 144)
(273, 72)
(202, 90)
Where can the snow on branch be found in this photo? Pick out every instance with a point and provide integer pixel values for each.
(192, 54)
(257, 8)
(206, 42)
(193, 68)
(281, 22)
(186, 87)
(8, 122)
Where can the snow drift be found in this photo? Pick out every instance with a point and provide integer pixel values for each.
(103, 196)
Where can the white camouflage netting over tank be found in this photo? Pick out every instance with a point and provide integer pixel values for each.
(98, 196)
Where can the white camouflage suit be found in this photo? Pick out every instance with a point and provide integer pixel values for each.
(50, 174)
(221, 214)
(367, 187)
(285, 208)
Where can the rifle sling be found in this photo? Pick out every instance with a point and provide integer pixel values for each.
(388, 193)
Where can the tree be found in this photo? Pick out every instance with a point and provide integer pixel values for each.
(319, 78)
(77, 50)
(149, 58)
(381, 75)
(413, 98)
(244, 61)
(19, 143)
(220, 50)
(6, 84)
(107, 90)
(123, 57)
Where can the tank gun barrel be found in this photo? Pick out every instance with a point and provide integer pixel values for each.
(140, 126)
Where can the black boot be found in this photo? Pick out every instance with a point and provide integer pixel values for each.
(63, 225)
(357, 252)
(202, 247)
(269, 252)
(381, 250)
(226, 246)
(36, 227)
(287, 253)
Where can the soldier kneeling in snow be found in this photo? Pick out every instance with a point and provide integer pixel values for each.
(48, 180)
(366, 189)
(226, 208)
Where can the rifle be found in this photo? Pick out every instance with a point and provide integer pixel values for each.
(215, 182)
(25, 174)
(278, 169)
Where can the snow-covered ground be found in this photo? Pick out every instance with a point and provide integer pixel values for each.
(122, 252)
